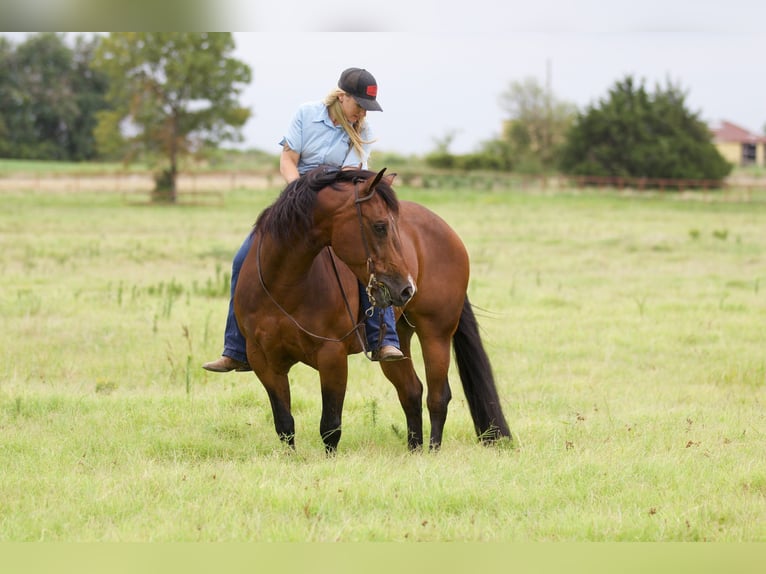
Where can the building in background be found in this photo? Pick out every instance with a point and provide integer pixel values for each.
(738, 145)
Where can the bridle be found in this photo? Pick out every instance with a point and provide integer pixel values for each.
(373, 283)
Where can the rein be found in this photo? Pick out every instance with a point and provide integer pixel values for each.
(295, 322)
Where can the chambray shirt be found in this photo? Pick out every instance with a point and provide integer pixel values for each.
(318, 142)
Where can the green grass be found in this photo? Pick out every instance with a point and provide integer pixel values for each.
(626, 334)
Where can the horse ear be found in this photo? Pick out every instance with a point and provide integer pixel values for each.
(389, 179)
(371, 184)
(377, 179)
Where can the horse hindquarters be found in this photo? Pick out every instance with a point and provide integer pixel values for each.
(478, 381)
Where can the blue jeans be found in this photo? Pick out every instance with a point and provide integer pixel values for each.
(234, 342)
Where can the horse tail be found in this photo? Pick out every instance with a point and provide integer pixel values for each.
(478, 381)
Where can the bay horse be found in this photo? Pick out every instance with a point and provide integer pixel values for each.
(297, 300)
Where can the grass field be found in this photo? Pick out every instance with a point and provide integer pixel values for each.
(627, 334)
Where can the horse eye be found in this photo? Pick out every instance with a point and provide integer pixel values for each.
(380, 229)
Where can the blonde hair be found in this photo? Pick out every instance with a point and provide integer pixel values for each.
(354, 131)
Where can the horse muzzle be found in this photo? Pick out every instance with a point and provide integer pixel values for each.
(385, 291)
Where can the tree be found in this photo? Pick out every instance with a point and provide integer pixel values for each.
(48, 99)
(441, 157)
(536, 126)
(172, 93)
(90, 87)
(634, 133)
(7, 94)
(41, 102)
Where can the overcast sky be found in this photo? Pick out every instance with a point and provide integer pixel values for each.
(447, 76)
(441, 65)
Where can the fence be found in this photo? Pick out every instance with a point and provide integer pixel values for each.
(206, 185)
(126, 182)
(744, 188)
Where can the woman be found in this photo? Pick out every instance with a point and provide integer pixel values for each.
(328, 132)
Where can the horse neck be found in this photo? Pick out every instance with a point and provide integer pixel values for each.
(286, 262)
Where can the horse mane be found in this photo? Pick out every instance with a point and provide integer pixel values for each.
(291, 215)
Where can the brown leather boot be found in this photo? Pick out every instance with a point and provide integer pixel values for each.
(388, 353)
(226, 364)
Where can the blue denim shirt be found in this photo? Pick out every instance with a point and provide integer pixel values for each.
(317, 141)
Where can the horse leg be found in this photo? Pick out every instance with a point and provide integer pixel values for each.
(436, 356)
(409, 389)
(333, 380)
(278, 388)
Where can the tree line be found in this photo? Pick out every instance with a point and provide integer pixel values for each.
(632, 132)
(156, 96)
(50, 95)
(161, 95)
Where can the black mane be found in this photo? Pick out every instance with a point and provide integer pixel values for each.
(292, 213)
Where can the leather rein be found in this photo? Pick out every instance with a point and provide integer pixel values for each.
(373, 282)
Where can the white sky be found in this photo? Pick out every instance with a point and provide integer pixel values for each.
(441, 65)
(446, 73)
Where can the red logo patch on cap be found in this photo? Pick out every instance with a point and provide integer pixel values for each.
(372, 91)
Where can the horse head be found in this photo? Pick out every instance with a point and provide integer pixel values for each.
(365, 235)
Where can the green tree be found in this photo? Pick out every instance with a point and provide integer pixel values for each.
(536, 126)
(48, 99)
(172, 94)
(7, 95)
(90, 87)
(43, 106)
(441, 157)
(634, 133)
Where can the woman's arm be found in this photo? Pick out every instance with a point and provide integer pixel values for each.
(288, 164)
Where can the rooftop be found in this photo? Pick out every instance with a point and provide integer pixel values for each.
(724, 131)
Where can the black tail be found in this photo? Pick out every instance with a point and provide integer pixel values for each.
(478, 381)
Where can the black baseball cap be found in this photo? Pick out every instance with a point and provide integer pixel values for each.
(360, 84)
